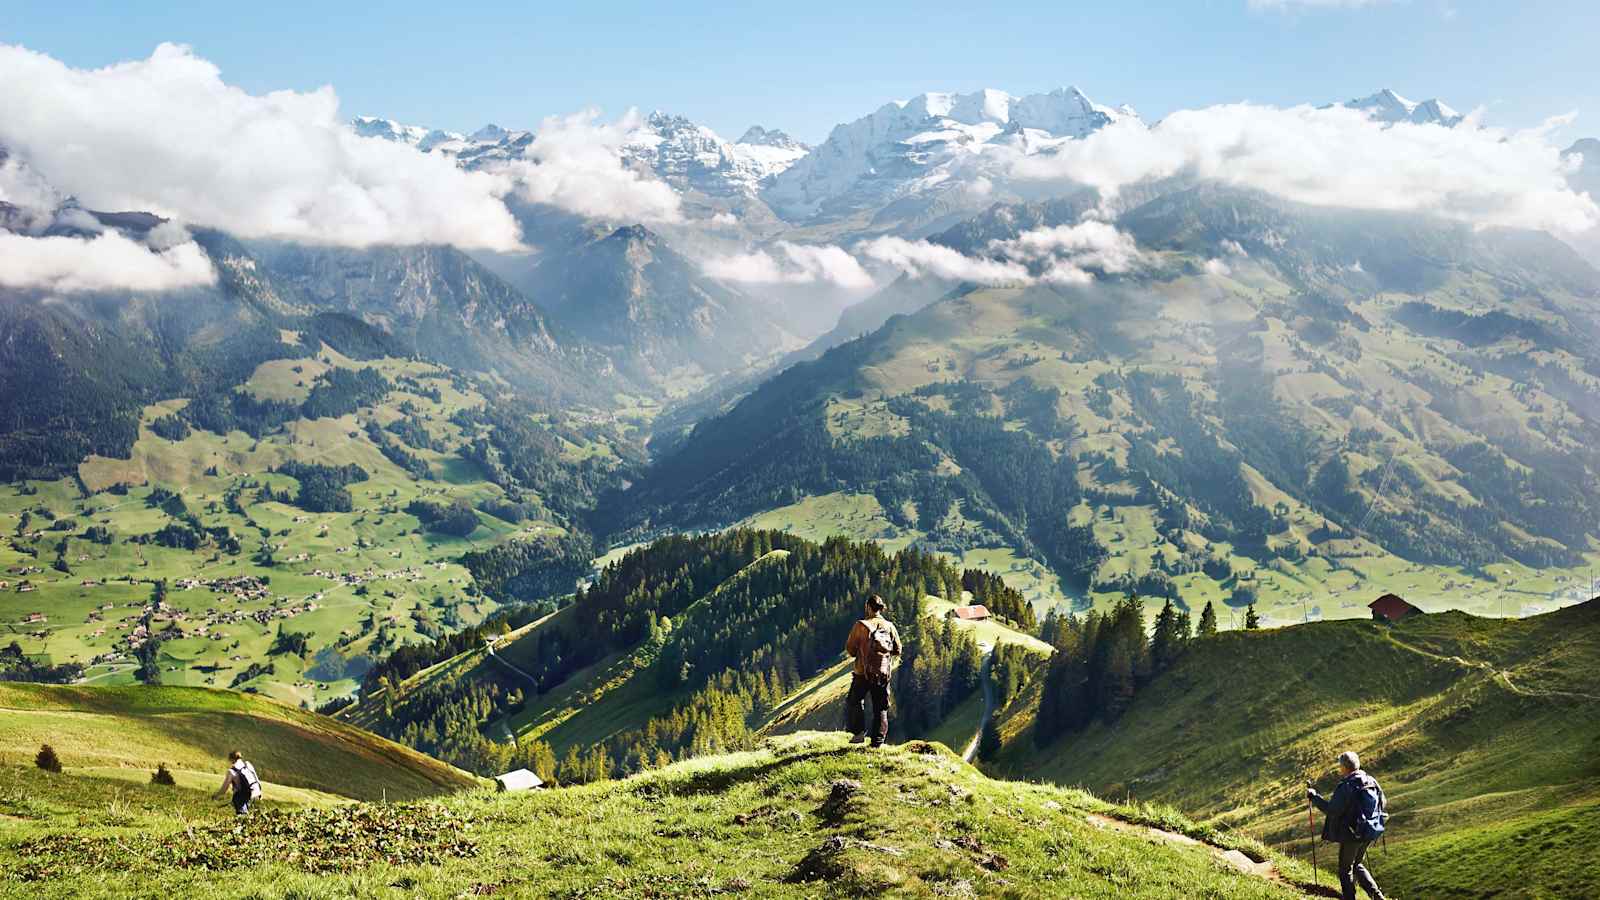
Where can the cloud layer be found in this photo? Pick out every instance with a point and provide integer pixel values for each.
(575, 163)
(792, 264)
(107, 261)
(167, 135)
(1335, 157)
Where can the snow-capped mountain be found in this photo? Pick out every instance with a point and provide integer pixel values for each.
(693, 157)
(1387, 106)
(933, 145)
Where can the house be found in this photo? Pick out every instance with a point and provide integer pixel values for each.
(24, 587)
(518, 780)
(34, 617)
(1391, 608)
(975, 613)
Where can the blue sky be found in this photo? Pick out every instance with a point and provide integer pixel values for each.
(805, 66)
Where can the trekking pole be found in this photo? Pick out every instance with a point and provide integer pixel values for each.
(1311, 822)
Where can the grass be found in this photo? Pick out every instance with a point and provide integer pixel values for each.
(804, 816)
(121, 733)
(1483, 732)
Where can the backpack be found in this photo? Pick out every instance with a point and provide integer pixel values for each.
(251, 780)
(1368, 811)
(880, 652)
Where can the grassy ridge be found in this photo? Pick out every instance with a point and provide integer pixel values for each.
(806, 816)
(1484, 732)
(123, 732)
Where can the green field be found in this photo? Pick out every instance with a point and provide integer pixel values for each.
(804, 816)
(1484, 733)
(122, 733)
(359, 583)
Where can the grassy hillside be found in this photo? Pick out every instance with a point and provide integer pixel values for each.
(802, 817)
(122, 733)
(1484, 733)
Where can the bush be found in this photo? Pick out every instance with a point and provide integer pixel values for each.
(47, 759)
(162, 776)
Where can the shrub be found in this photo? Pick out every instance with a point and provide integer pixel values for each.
(47, 759)
(162, 776)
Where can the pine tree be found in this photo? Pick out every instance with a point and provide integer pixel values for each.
(1208, 621)
(1251, 620)
(47, 759)
(1164, 641)
(989, 744)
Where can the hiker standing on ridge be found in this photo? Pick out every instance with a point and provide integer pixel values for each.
(875, 645)
(1355, 818)
(242, 782)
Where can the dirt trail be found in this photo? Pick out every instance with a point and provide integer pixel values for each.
(1234, 859)
(988, 710)
(1502, 675)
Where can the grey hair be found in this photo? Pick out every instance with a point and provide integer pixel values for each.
(1349, 758)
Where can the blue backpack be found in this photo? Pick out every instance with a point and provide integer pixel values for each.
(1368, 810)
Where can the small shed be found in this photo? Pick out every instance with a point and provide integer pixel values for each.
(518, 780)
(1391, 608)
(975, 613)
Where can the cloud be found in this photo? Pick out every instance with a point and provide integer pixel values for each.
(1335, 157)
(1064, 254)
(1217, 267)
(168, 135)
(107, 261)
(575, 163)
(792, 264)
(920, 259)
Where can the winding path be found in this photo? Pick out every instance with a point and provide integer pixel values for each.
(988, 707)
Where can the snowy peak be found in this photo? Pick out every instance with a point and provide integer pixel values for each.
(936, 143)
(756, 136)
(1388, 106)
(693, 157)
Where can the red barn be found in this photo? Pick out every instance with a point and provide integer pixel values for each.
(1391, 608)
(975, 613)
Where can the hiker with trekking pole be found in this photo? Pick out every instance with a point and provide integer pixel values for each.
(242, 782)
(875, 645)
(1356, 816)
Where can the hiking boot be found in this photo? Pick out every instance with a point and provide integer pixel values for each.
(877, 744)
(858, 739)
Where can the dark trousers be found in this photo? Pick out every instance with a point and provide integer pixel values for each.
(1352, 872)
(856, 708)
(241, 803)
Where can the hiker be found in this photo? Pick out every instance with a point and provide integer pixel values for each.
(875, 644)
(1355, 818)
(242, 782)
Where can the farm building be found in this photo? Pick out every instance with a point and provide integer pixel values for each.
(34, 617)
(1391, 608)
(975, 613)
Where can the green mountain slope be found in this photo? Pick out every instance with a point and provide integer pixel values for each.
(122, 733)
(1484, 733)
(1300, 407)
(806, 816)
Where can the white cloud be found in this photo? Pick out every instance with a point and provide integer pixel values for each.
(107, 261)
(1336, 157)
(1233, 247)
(1217, 267)
(920, 259)
(168, 135)
(1065, 252)
(792, 264)
(575, 163)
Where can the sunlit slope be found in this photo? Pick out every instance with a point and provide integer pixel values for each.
(125, 732)
(801, 817)
(1485, 733)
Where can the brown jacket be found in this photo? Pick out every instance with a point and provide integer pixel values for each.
(856, 644)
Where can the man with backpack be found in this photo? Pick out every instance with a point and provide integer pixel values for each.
(1356, 817)
(875, 645)
(242, 782)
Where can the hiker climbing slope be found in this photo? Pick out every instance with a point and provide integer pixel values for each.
(1355, 818)
(242, 782)
(875, 645)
